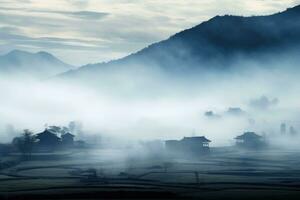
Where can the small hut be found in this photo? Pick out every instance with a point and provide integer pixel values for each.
(190, 145)
(250, 140)
(67, 139)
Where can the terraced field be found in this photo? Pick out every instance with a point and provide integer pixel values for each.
(120, 174)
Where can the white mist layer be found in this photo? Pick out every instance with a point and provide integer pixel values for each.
(174, 110)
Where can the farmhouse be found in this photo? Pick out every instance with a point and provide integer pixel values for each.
(191, 145)
(67, 139)
(250, 140)
(47, 138)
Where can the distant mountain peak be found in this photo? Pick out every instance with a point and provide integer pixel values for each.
(17, 52)
(47, 55)
(41, 64)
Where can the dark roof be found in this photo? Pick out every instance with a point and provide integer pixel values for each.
(199, 139)
(67, 135)
(248, 135)
(46, 132)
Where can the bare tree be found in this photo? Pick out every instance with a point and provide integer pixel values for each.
(25, 143)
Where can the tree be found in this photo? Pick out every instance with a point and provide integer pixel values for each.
(72, 126)
(75, 127)
(25, 143)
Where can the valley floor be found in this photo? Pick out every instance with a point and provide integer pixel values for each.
(117, 174)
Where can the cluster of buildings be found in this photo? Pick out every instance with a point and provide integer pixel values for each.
(191, 145)
(51, 139)
(48, 138)
(200, 145)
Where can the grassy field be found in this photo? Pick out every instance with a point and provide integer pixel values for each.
(106, 173)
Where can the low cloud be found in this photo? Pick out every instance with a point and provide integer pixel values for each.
(90, 15)
(263, 103)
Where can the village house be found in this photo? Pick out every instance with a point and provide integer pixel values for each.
(67, 139)
(190, 145)
(48, 138)
(250, 140)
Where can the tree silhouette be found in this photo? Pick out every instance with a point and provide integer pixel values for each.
(25, 143)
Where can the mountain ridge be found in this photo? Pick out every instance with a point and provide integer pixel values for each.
(215, 44)
(41, 64)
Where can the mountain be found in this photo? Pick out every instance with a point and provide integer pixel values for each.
(40, 65)
(213, 45)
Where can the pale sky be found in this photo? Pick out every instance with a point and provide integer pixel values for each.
(90, 31)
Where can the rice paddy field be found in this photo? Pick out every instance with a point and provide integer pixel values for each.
(130, 174)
